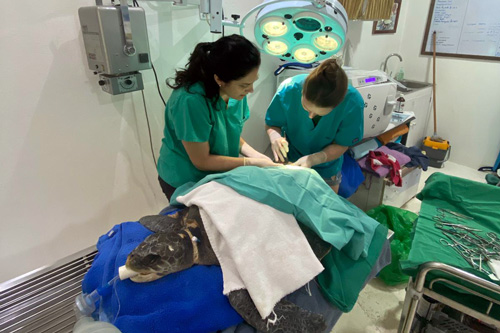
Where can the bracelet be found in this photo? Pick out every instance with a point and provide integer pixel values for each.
(244, 161)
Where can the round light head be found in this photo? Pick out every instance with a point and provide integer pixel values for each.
(275, 47)
(300, 31)
(326, 41)
(274, 26)
(304, 54)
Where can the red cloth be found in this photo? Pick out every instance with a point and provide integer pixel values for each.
(378, 158)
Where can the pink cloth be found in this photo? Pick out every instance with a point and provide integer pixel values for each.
(383, 170)
(378, 159)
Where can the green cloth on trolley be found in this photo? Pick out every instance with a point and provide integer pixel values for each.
(357, 239)
(477, 200)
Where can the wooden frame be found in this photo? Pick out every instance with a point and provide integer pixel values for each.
(428, 35)
(388, 26)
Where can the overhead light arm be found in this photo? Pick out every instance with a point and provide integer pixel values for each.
(209, 8)
(213, 9)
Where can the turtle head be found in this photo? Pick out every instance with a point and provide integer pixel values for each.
(161, 254)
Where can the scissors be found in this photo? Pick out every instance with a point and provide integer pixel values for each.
(459, 247)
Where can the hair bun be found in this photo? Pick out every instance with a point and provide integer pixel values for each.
(326, 85)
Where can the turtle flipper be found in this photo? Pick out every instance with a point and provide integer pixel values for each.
(287, 317)
(163, 223)
(319, 246)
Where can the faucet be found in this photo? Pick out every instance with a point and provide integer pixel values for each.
(388, 57)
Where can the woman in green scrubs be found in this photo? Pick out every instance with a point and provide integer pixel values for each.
(205, 114)
(313, 119)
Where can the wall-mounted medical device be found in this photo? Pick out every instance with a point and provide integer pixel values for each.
(378, 94)
(116, 46)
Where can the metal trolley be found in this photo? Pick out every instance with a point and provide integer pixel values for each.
(416, 290)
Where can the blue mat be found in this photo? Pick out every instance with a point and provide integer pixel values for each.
(187, 301)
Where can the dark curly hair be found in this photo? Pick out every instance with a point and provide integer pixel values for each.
(231, 58)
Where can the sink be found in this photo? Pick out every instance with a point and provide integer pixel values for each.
(410, 85)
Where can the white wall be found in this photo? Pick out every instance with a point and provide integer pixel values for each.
(467, 96)
(74, 161)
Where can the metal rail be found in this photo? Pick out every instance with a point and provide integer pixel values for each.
(42, 300)
(416, 290)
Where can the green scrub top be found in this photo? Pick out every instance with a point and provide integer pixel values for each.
(191, 117)
(342, 126)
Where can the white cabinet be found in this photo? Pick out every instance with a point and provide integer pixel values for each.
(419, 102)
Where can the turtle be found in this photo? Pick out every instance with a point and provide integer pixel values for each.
(180, 241)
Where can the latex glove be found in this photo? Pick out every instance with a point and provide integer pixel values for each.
(266, 157)
(259, 156)
(279, 145)
(260, 162)
(248, 151)
(311, 160)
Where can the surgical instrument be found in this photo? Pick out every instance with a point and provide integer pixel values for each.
(442, 223)
(457, 215)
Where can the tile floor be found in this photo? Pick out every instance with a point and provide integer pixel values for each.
(379, 306)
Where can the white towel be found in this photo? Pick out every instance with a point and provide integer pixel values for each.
(259, 248)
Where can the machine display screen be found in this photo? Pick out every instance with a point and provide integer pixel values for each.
(370, 79)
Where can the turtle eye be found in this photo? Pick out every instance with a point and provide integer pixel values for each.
(151, 259)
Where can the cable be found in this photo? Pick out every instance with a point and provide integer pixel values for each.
(157, 84)
(223, 31)
(118, 300)
(136, 4)
(149, 127)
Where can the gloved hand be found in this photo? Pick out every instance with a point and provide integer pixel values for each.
(247, 151)
(260, 162)
(311, 160)
(279, 145)
(259, 156)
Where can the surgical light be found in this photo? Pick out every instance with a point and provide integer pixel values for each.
(313, 30)
(276, 47)
(274, 26)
